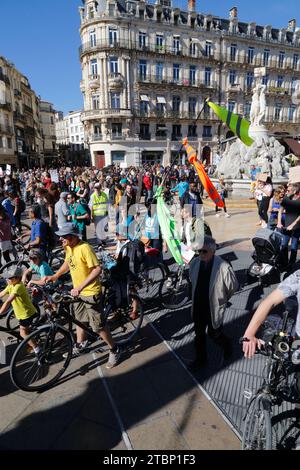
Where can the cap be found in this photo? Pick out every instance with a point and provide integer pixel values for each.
(35, 253)
(63, 195)
(123, 181)
(97, 185)
(13, 271)
(67, 229)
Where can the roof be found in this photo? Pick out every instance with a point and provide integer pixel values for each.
(294, 145)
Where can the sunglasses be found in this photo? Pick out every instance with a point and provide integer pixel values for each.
(203, 252)
(66, 237)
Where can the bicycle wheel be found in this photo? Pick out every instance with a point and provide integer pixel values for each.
(257, 433)
(122, 324)
(176, 291)
(151, 279)
(36, 372)
(56, 260)
(20, 264)
(12, 323)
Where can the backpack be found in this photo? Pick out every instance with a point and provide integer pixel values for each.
(131, 257)
(88, 209)
(22, 205)
(51, 240)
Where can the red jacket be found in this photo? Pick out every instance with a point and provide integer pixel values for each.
(147, 182)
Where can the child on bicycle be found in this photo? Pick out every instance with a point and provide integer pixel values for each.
(37, 266)
(18, 297)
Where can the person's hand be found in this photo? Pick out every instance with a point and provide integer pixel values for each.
(27, 247)
(46, 279)
(290, 228)
(279, 225)
(75, 292)
(251, 345)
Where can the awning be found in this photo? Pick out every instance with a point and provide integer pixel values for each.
(144, 98)
(294, 145)
(161, 99)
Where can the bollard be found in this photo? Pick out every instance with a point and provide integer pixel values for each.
(2, 351)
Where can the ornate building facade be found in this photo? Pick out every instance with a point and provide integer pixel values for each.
(148, 68)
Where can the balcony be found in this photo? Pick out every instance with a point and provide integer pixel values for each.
(115, 81)
(207, 138)
(176, 137)
(29, 130)
(117, 136)
(97, 137)
(94, 81)
(158, 81)
(5, 106)
(4, 78)
(91, 114)
(161, 137)
(18, 117)
(234, 88)
(28, 109)
(278, 91)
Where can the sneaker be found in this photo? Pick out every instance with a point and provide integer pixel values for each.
(227, 215)
(218, 215)
(78, 348)
(113, 358)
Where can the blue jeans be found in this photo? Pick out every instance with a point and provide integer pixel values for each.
(294, 235)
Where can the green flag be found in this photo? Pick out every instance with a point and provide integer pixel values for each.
(167, 226)
(236, 123)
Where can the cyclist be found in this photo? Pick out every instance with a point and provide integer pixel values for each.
(18, 297)
(37, 266)
(288, 288)
(84, 268)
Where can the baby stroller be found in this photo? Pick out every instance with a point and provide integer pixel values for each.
(268, 263)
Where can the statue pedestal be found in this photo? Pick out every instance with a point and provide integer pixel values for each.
(259, 134)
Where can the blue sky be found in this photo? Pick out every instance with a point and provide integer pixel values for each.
(41, 38)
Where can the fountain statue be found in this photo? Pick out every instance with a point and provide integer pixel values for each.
(265, 153)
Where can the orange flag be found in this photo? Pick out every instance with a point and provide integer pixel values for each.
(206, 182)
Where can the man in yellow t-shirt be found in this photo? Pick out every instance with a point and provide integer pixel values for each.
(83, 265)
(18, 297)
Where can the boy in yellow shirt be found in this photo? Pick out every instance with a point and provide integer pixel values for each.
(18, 297)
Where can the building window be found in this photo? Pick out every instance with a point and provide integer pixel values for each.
(192, 130)
(207, 131)
(142, 40)
(192, 105)
(294, 84)
(279, 81)
(77, 138)
(250, 55)
(292, 110)
(176, 131)
(193, 49)
(265, 80)
(93, 40)
(116, 129)
(94, 67)
(159, 71)
(144, 108)
(144, 131)
(247, 109)
(233, 49)
(115, 100)
(277, 111)
(231, 106)
(159, 42)
(250, 78)
(160, 107)
(176, 104)
(208, 49)
(232, 77)
(113, 36)
(143, 69)
(111, 9)
(266, 56)
(97, 130)
(117, 156)
(176, 44)
(207, 76)
(1, 142)
(9, 143)
(295, 61)
(113, 65)
(281, 58)
(192, 74)
(95, 101)
(176, 72)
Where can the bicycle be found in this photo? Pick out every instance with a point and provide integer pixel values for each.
(279, 384)
(176, 290)
(21, 231)
(37, 372)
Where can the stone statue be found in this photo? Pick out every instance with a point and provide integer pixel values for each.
(258, 105)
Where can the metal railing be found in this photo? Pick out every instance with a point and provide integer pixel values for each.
(28, 108)
(19, 117)
(91, 113)
(154, 79)
(6, 106)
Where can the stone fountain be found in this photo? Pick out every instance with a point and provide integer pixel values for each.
(265, 153)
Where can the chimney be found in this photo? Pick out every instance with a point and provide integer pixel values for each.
(191, 5)
(292, 25)
(233, 12)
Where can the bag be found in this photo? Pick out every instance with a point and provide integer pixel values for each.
(51, 241)
(131, 257)
(22, 205)
(87, 208)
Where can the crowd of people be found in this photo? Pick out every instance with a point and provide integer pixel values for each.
(61, 211)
